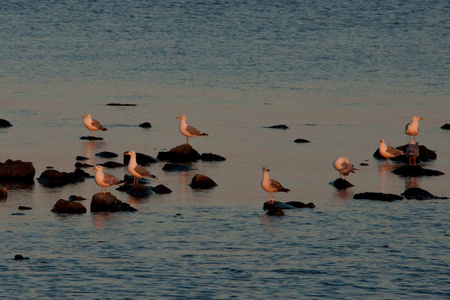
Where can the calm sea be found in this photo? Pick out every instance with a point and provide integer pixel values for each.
(342, 74)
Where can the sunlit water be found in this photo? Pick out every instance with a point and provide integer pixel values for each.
(342, 75)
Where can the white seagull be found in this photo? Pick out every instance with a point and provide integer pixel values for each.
(104, 179)
(412, 151)
(187, 130)
(271, 186)
(92, 124)
(412, 128)
(388, 151)
(136, 170)
(342, 164)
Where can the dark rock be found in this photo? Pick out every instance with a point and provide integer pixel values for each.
(76, 198)
(91, 138)
(53, 178)
(141, 159)
(377, 196)
(136, 190)
(420, 194)
(211, 157)
(446, 126)
(121, 104)
(277, 212)
(298, 204)
(109, 203)
(288, 205)
(341, 184)
(81, 165)
(182, 153)
(145, 125)
(111, 164)
(17, 214)
(281, 126)
(3, 193)
(16, 170)
(425, 154)
(24, 208)
(415, 171)
(161, 189)
(200, 181)
(82, 173)
(177, 168)
(81, 158)
(68, 207)
(300, 141)
(106, 154)
(4, 123)
(20, 257)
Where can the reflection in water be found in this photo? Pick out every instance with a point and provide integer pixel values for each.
(100, 219)
(184, 179)
(384, 173)
(343, 194)
(411, 182)
(90, 146)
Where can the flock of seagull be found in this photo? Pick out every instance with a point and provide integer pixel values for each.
(341, 164)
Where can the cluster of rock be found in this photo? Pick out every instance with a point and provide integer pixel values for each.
(275, 208)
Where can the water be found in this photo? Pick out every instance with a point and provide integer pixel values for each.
(340, 74)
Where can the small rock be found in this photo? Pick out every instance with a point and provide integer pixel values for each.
(298, 204)
(420, 194)
(81, 158)
(136, 190)
(341, 184)
(111, 164)
(81, 165)
(446, 126)
(20, 257)
(106, 154)
(121, 104)
(288, 205)
(377, 196)
(91, 138)
(145, 125)
(182, 153)
(200, 181)
(24, 208)
(68, 207)
(161, 189)
(76, 198)
(177, 168)
(82, 173)
(301, 141)
(17, 170)
(281, 126)
(53, 178)
(414, 171)
(4, 123)
(109, 203)
(211, 157)
(277, 212)
(141, 159)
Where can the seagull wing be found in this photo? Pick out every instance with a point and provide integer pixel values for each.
(192, 131)
(393, 151)
(141, 171)
(110, 179)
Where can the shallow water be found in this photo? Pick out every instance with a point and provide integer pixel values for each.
(342, 76)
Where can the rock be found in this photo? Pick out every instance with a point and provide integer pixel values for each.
(53, 178)
(106, 154)
(91, 138)
(24, 208)
(111, 164)
(82, 173)
(377, 196)
(3, 193)
(288, 205)
(145, 125)
(281, 126)
(136, 190)
(446, 126)
(298, 204)
(4, 123)
(121, 104)
(177, 168)
(81, 158)
(68, 207)
(277, 212)
(182, 153)
(109, 203)
(420, 194)
(161, 189)
(341, 184)
(211, 157)
(81, 165)
(17, 171)
(76, 198)
(200, 181)
(141, 159)
(425, 154)
(20, 257)
(414, 171)
(299, 141)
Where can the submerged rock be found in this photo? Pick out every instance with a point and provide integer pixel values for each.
(415, 171)
(83, 165)
(111, 164)
(277, 212)
(420, 194)
(136, 190)
(53, 178)
(446, 126)
(79, 157)
(4, 123)
(91, 138)
(377, 196)
(17, 170)
(145, 125)
(301, 141)
(106, 154)
(121, 104)
(200, 181)
(161, 189)
(341, 184)
(141, 159)
(288, 205)
(281, 126)
(177, 168)
(82, 173)
(24, 208)
(68, 207)
(109, 203)
(20, 257)
(211, 157)
(182, 153)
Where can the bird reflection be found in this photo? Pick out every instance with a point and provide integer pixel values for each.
(411, 182)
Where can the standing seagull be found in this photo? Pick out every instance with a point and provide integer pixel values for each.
(388, 151)
(136, 170)
(187, 130)
(104, 179)
(342, 164)
(92, 124)
(412, 151)
(412, 128)
(271, 186)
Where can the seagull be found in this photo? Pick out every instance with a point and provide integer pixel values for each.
(187, 130)
(388, 151)
(412, 151)
(136, 170)
(104, 179)
(342, 164)
(92, 124)
(412, 128)
(271, 186)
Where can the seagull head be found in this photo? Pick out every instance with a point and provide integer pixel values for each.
(182, 117)
(86, 116)
(265, 169)
(130, 153)
(416, 118)
(98, 168)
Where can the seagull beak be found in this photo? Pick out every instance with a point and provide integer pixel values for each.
(127, 153)
(420, 118)
(83, 117)
(178, 117)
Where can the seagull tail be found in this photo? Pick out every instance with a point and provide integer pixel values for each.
(104, 129)
(204, 134)
(285, 190)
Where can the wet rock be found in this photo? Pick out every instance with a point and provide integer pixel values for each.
(20, 257)
(68, 207)
(161, 189)
(141, 159)
(200, 181)
(298, 204)
(82, 173)
(121, 104)
(76, 198)
(182, 153)
(24, 208)
(301, 141)
(420, 194)
(81, 158)
(415, 171)
(281, 126)
(4, 123)
(288, 205)
(377, 196)
(145, 125)
(3, 193)
(53, 178)
(111, 164)
(17, 170)
(446, 126)
(106, 154)
(177, 168)
(109, 203)
(211, 157)
(91, 138)
(425, 154)
(81, 165)
(277, 212)
(341, 184)
(136, 190)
